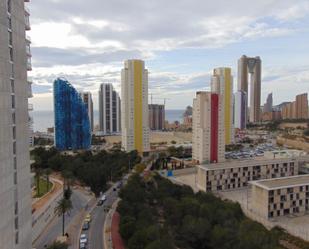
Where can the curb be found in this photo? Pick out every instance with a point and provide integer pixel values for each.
(109, 217)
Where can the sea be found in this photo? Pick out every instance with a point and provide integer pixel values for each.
(45, 119)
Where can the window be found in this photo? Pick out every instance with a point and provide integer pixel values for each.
(16, 208)
(13, 102)
(9, 6)
(12, 86)
(16, 223)
(14, 148)
(14, 132)
(15, 178)
(16, 238)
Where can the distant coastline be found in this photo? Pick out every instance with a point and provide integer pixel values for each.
(44, 119)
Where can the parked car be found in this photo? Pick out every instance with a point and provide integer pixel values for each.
(102, 200)
(86, 226)
(83, 239)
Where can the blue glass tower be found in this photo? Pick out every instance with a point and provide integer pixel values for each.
(72, 126)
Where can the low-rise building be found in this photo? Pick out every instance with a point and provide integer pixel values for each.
(279, 197)
(234, 174)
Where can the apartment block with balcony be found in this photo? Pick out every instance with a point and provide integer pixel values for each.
(280, 197)
(236, 174)
(15, 179)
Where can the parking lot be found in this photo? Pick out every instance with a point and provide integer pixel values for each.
(246, 153)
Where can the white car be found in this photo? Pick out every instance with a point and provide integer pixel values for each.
(83, 239)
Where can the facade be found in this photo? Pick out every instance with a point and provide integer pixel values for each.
(134, 107)
(251, 66)
(15, 179)
(268, 106)
(109, 110)
(237, 173)
(271, 116)
(280, 197)
(72, 125)
(297, 109)
(208, 139)
(302, 106)
(87, 98)
(156, 117)
(222, 83)
(240, 110)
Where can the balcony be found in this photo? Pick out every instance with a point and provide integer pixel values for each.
(30, 95)
(27, 21)
(28, 39)
(29, 65)
(28, 50)
(30, 107)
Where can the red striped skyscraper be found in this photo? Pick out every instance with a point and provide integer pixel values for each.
(208, 128)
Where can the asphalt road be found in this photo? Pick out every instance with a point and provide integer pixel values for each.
(54, 229)
(98, 215)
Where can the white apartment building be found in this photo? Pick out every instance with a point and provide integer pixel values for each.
(15, 180)
(134, 107)
(109, 110)
(234, 174)
(208, 140)
(280, 197)
(87, 98)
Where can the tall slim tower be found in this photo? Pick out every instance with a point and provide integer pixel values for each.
(87, 98)
(156, 117)
(134, 106)
(240, 110)
(251, 66)
(222, 83)
(268, 106)
(109, 110)
(15, 179)
(208, 137)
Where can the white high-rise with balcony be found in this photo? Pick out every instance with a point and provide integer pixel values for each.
(15, 180)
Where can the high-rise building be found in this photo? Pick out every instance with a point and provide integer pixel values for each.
(87, 98)
(15, 179)
(222, 83)
(109, 110)
(134, 106)
(240, 110)
(297, 109)
(208, 139)
(268, 106)
(302, 106)
(251, 66)
(156, 117)
(72, 125)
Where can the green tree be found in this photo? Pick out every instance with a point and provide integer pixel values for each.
(47, 173)
(64, 206)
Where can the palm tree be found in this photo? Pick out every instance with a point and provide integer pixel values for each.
(47, 172)
(38, 173)
(63, 206)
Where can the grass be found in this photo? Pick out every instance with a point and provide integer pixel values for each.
(42, 187)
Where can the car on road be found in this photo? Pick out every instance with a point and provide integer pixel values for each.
(83, 239)
(83, 246)
(88, 218)
(86, 226)
(102, 200)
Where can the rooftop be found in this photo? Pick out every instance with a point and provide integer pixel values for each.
(269, 157)
(278, 183)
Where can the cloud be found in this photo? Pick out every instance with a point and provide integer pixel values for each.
(87, 42)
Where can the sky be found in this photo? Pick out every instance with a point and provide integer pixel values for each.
(181, 42)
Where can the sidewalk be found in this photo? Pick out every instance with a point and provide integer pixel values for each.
(111, 236)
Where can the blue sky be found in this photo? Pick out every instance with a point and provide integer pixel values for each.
(180, 40)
